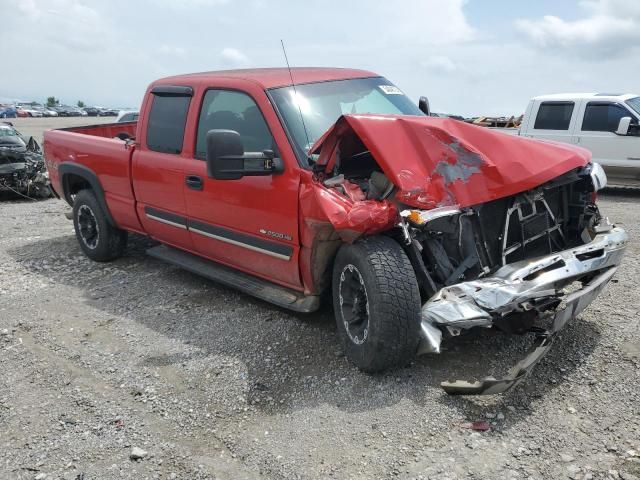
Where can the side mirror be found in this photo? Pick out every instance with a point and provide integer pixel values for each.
(623, 126)
(423, 105)
(227, 160)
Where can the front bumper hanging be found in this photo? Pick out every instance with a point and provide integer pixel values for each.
(516, 288)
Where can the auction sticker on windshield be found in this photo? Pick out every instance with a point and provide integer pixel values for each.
(391, 90)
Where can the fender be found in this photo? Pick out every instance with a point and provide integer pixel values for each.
(69, 168)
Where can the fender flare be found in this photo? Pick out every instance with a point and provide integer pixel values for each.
(67, 168)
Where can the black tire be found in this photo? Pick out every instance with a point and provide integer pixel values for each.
(98, 239)
(385, 333)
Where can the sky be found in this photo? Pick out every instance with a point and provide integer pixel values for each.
(469, 57)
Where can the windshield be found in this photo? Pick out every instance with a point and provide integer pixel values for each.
(6, 131)
(634, 103)
(321, 104)
(10, 136)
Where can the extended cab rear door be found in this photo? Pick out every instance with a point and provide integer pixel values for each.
(250, 223)
(596, 132)
(158, 165)
(552, 120)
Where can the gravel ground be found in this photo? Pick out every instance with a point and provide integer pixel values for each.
(137, 369)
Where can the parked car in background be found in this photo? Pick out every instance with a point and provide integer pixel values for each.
(92, 111)
(127, 116)
(32, 111)
(8, 111)
(109, 112)
(63, 111)
(607, 124)
(68, 111)
(49, 112)
(21, 112)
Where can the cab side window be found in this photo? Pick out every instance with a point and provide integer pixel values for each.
(167, 119)
(603, 117)
(554, 116)
(231, 110)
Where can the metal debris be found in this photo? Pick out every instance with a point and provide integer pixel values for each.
(22, 166)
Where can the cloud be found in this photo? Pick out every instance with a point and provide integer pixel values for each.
(621, 8)
(67, 24)
(107, 53)
(29, 8)
(439, 64)
(233, 56)
(611, 28)
(188, 4)
(421, 22)
(172, 51)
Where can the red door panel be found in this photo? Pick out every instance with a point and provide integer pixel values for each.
(158, 180)
(252, 223)
(159, 162)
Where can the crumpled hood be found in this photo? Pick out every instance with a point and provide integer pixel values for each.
(437, 161)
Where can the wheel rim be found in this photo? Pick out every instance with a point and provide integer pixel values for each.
(88, 226)
(354, 304)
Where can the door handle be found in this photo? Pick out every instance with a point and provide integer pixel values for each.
(194, 182)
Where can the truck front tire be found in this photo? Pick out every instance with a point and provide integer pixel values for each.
(98, 239)
(376, 303)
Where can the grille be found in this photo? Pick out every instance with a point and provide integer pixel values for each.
(531, 229)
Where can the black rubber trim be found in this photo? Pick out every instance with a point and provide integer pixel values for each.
(97, 125)
(70, 168)
(263, 289)
(171, 217)
(267, 245)
(172, 91)
(223, 233)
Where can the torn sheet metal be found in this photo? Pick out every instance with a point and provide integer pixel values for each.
(575, 304)
(512, 288)
(438, 162)
(22, 167)
(348, 213)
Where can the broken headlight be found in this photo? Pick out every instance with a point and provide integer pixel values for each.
(598, 177)
(421, 217)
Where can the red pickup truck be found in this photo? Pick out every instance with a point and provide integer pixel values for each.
(418, 228)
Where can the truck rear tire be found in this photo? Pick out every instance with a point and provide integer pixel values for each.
(99, 240)
(376, 303)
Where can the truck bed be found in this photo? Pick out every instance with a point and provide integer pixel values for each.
(97, 148)
(107, 130)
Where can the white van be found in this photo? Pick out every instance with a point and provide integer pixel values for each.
(607, 124)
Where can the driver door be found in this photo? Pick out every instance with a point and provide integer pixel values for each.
(618, 154)
(250, 223)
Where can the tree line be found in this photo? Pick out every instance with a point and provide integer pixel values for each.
(53, 101)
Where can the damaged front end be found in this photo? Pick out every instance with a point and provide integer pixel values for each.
(23, 169)
(501, 232)
(557, 272)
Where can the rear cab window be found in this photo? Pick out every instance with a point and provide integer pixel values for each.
(129, 117)
(604, 117)
(554, 116)
(167, 118)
